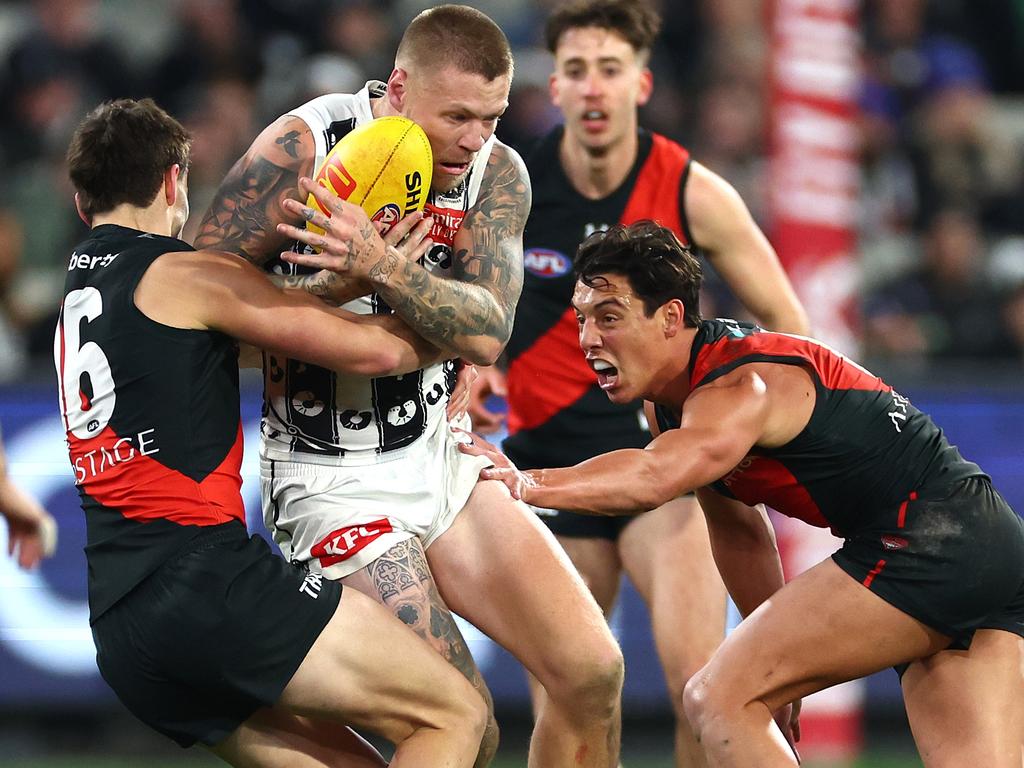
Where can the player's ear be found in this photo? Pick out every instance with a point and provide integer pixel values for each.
(646, 87)
(82, 214)
(553, 89)
(673, 317)
(171, 184)
(397, 84)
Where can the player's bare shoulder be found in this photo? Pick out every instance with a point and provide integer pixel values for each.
(248, 206)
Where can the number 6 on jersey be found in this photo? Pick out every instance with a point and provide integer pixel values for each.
(86, 385)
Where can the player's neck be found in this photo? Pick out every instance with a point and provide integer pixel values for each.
(154, 219)
(671, 385)
(596, 174)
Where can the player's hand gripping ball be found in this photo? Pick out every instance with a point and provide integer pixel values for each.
(383, 166)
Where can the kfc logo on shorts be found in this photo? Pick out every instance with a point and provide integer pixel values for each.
(386, 217)
(343, 543)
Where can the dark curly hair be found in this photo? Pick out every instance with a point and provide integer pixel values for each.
(657, 265)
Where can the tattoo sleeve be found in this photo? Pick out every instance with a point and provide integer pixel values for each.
(248, 206)
(487, 267)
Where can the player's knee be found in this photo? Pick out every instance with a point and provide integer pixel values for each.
(697, 700)
(594, 686)
(677, 676)
(466, 717)
(706, 703)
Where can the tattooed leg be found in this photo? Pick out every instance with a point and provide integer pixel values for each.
(401, 580)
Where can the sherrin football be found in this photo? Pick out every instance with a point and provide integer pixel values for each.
(383, 166)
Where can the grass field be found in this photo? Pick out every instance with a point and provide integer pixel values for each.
(45, 741)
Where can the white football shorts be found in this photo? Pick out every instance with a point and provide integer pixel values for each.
(338, 520)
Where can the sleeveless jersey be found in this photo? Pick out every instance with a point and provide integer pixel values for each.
(151, 414)
(557, 414)
(865, 452)
(316, 415)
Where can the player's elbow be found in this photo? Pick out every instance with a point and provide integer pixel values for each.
(482, 350)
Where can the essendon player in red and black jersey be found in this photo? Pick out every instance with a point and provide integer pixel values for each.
(930, 577)
(865, 449)
(200, 629)
(598, 169)
(156, 459)
(553, 397)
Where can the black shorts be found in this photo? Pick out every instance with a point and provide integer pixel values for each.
(955, 564)
(576, 526)
(211, 636)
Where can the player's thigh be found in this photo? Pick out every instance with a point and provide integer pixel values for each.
(597, 562)
(667, 554)
(401, 580)
(273, 738)
(369, 669)
(501, 569)
(967, 706)
(821, 629)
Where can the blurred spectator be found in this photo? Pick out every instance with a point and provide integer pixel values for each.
(222, 124)
(362, 32)
(1013, 321)
(959, 157)
(12, 345)
(947, 308)
(213, 42)
(64, 64)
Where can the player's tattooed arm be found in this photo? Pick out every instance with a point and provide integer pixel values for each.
(247, 208)
(333, 288)
(471, 314)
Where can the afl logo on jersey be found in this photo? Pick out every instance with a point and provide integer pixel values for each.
(546, 263)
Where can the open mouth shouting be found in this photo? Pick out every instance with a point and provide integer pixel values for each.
(607, 374)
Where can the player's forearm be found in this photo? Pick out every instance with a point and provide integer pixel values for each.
(412, 352)
(748, 560)
(331, 287)
(454, 315)
(624, 482)
(786, 318)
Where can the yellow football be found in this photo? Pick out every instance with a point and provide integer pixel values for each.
(383, 166)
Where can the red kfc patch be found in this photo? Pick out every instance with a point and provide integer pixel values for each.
(341, 544)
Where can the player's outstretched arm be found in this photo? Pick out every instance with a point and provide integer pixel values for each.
(248, 206)
(471, 314)
(724, 229)
(217, 291)
(721, 422)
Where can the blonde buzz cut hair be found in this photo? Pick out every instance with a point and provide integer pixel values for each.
(457, 36)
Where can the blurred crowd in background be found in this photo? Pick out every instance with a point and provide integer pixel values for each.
(941, 236)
